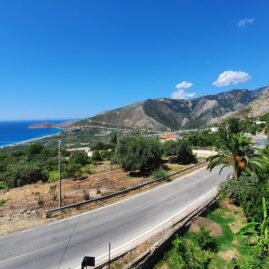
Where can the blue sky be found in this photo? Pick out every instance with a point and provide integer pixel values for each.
(72, 59)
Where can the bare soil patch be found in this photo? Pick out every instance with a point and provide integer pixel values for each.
(211, 226)
(229, 255)
(164, 266)
(226, 204)
(25, 206)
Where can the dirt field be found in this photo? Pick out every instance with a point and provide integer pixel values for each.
(25, 206)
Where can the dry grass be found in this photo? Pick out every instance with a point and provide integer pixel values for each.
(25, 205)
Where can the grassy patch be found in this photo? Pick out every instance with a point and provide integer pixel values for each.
(3, 186)
(229, 246)
(2, 202)
(53, 176)
(159, 173)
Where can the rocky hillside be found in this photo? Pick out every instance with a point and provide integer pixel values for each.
(260, 106)
(165, 114)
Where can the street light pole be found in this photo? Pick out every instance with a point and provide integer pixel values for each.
(59, 171)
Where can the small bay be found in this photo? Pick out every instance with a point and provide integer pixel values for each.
(16, 132)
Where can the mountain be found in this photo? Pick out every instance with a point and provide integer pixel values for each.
(62, 125)
(259, 106)
(167, 114)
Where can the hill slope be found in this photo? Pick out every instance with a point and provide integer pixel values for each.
(165, 114)
(260, 106)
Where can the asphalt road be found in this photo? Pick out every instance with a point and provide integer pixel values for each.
(63, 244)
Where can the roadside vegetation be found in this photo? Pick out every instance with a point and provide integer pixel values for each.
(242, 213)
(34, 163)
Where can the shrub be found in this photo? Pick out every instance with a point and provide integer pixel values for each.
(3, 186)
(73, 170)
(184, 154)
(205, 240)
(138, 153)
(53, 176)
(86, 195)
(53, 192)
(192, 254)
(96, 156)
(26, 173)
(35, 149)
(158, 173)
(101, 145)
(246, 191)
(79, 157)
(169, 148)
(2, 202)
(39, 200)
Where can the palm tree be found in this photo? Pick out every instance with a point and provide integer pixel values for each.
(238, 152)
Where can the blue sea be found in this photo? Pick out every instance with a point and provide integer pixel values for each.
(14, 132)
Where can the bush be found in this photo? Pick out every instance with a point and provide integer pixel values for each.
(26, 165)
(205, 240)
(247, 192)
(192, 254)
(2, 202)
(26, 173)
(3, 186)
(73, 170)
(79, 157)
(35, 149)
(184, 154)
(138, 153)
(53, 176)
(202, 139)
(158, 173)
(101, 145)
(96, 156)
(169, 148)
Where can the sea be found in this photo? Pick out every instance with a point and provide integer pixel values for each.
(18, 132)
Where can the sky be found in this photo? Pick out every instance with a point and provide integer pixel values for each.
(63, 59)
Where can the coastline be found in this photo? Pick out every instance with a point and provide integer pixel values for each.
(30, 140)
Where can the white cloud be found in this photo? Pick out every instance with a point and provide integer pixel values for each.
(244, 22)
(180, 92)
(231, 77)
(183, 85)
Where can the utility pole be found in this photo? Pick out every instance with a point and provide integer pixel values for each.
(59, 171)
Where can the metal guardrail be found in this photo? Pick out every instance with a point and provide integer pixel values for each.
(49, 212)
(182, 216)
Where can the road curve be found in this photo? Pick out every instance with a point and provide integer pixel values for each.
(63, 244)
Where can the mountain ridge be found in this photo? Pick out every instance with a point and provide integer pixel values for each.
(174, 114)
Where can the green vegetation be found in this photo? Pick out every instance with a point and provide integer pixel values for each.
(2, 202)
(36, 162)
(238, 152)
(53, 176)
(202, 139)
(179, 152)
(244, 243)
(3, 186)
(229, 250)
(158, 173)
(138, 153)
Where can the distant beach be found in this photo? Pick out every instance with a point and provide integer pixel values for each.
(14, 133)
